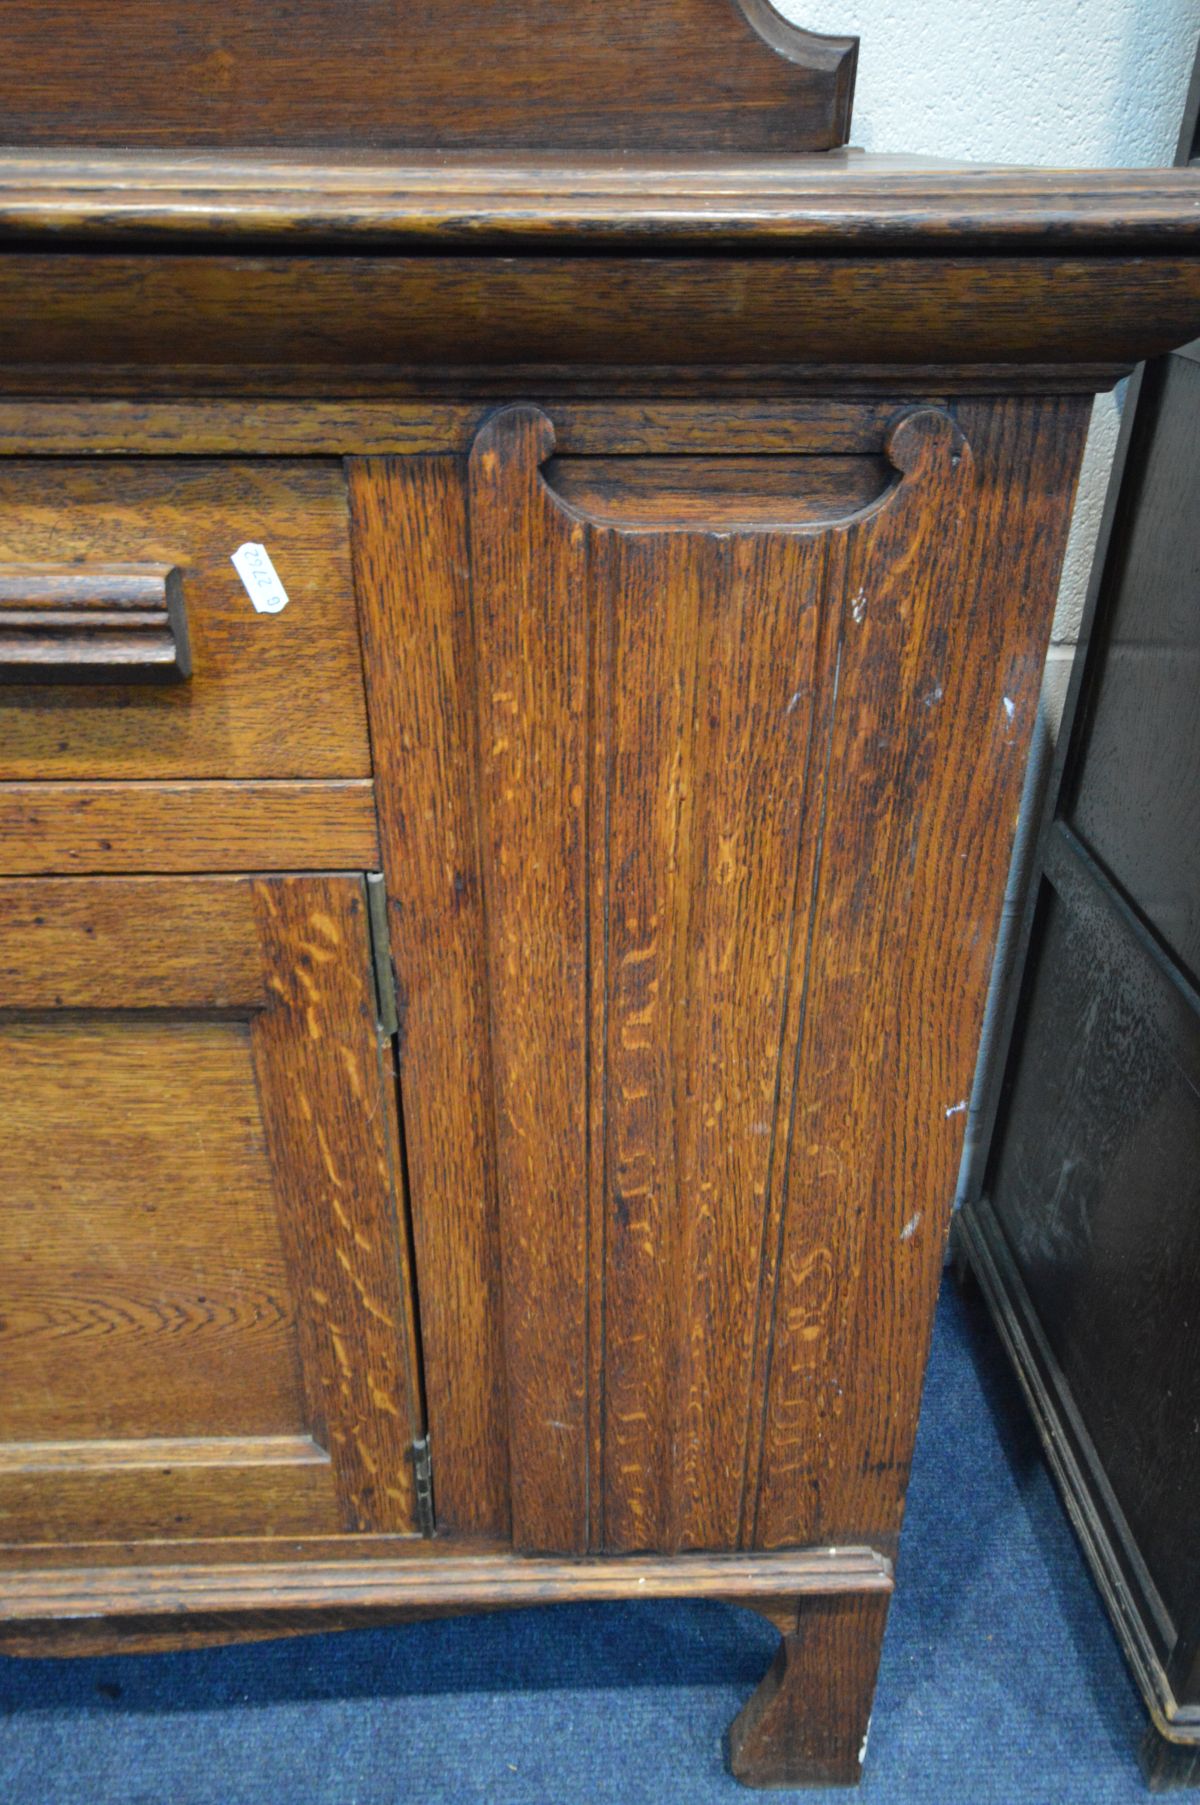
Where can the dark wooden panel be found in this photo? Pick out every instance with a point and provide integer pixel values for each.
(90, 827)
(76, 321)
(666, 73)
(1080, 1213)
(206, 1324)
(271, 695)
(1101, 1135)
(1128, 801)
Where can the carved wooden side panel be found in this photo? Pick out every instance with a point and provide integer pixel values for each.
(940, 671)
(696, 848)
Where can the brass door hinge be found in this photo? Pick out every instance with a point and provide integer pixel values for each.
(387, 1018)
(381, 956)
(422, 1461)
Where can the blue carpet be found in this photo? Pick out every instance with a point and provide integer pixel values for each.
(1001, 1682)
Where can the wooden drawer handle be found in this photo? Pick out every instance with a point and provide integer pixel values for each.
(100, 623)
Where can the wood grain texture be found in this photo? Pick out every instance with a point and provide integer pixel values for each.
(72, 321)
(647, 428)
(883, 1071)
(72, 828)
(534, 846)
(411, 557)
(699, 684)
(331, 1138)
(639, 964)
(717, 492)
(271, 695)
(163, 1450)
(150, 1304)
(148, 1483)
(142, 943)
(324, 1549)
(159, 1503)
(106, 623)
(666, 73)
(199, 1173)
(423, 1579)
(413, 560)
(428, 386)
(807, 1723)
(679, 789)
(706, 199)
(702, 800)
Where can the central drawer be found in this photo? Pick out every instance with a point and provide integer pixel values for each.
(269, 695)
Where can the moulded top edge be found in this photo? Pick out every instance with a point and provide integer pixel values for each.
(804, 202)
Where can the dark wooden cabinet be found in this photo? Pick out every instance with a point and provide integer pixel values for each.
(1083, 1224)
(1082, 1218)
(486, 1044)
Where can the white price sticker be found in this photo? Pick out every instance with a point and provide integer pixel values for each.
(260, 578)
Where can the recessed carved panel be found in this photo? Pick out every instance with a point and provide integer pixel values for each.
(140, 1219)
(715, 493)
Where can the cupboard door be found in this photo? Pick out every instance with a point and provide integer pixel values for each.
(205, 1324)
(697, 778)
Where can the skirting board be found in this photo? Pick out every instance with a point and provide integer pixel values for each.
(450, 1581)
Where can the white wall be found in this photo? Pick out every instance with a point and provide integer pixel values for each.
(1056, 82)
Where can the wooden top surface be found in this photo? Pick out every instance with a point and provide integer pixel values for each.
(836, 200)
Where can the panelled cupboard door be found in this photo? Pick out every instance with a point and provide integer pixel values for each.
(204, 1318)
(697, 780)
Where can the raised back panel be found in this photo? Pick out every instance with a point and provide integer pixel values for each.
(660, 75)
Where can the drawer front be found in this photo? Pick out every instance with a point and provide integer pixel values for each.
(234, 692)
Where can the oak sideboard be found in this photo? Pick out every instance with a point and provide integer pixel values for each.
(525, 568)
